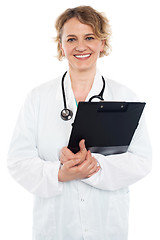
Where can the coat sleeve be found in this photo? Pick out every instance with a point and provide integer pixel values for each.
(121, 170)
(38, 176)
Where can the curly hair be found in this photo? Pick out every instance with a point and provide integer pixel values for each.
(86, 15)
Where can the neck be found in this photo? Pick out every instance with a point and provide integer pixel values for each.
(82, 81)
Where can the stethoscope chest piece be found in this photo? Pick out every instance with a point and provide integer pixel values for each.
(66, 114)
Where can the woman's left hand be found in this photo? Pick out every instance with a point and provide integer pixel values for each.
(84, 157)
(72, 170)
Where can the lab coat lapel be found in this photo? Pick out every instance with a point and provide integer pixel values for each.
(96, 87)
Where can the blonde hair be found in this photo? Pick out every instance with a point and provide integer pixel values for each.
(86, 15)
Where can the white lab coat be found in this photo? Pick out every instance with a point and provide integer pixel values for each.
(87, 209)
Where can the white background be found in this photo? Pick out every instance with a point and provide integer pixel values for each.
(27, 59)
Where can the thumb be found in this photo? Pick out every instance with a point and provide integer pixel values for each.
(88, 156)
(82, 145)
(67, 152)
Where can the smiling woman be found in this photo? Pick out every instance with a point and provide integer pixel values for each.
(80, 45)
(89, 16)
(83, 195)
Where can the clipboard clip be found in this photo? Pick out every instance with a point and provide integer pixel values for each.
(117, 107)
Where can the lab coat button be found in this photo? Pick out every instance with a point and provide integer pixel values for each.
(82, 200)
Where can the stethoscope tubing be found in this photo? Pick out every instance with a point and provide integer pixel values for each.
(63, 92)
(100, 95)
(66, 114)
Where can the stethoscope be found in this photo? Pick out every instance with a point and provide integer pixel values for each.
(66, 114)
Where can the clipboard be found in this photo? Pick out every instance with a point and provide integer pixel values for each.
(107, 127)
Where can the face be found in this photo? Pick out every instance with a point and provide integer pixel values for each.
(80, 45)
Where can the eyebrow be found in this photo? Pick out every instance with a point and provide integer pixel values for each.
(88, 34)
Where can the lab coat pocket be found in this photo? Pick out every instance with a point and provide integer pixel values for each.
(118, 210)
(44, 223)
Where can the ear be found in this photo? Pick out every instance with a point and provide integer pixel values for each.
(62, 50)
(102, 45)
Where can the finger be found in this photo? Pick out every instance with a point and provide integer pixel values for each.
(67, 152)
(82, 145)
(92, 162)
(63, 158)
(88, 166)
(89, 157)
(92, 167)
(72, 163)
(82, 152)
(94, 172)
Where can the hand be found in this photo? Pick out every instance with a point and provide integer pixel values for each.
(66, 154)
(70, 171)
(89, 167)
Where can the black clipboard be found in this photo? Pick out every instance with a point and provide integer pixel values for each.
(107, 127)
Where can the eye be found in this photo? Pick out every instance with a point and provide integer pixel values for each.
(71, 40)
(89, 38)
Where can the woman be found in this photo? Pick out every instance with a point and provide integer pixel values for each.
(83, 195)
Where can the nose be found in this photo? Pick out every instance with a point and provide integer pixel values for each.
(81, 46)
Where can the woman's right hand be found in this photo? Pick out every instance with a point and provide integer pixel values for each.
(66, 154)
(72, 169)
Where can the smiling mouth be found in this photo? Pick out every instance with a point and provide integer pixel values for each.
(82, 56)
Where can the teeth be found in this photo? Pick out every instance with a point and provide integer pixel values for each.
(82, 56)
